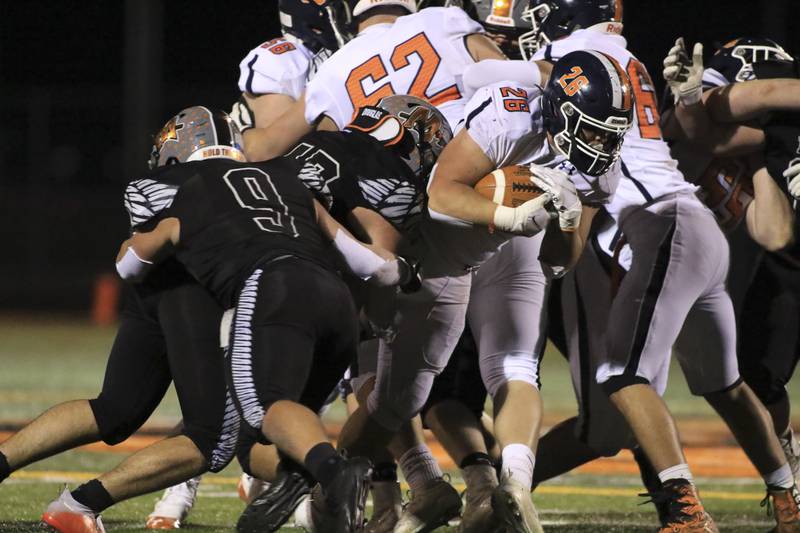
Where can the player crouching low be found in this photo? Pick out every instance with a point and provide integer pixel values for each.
(254, 237)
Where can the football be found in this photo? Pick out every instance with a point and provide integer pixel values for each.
(509, 186)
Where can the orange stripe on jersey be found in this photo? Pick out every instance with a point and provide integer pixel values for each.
(625, 87)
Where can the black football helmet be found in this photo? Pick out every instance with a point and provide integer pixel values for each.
(194, 134)
(750, 58)
(502, 20)
(587, 107)
(318, 24)
(553, 19)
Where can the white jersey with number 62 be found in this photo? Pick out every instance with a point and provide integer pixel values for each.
(423, 55)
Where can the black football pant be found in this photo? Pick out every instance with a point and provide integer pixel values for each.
(293, 336)
(165, 336)
(769, 328)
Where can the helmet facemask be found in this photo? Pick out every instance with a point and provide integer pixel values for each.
(749, 54)
(530, 42)
(593, 146)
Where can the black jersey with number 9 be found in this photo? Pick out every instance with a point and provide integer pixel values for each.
(234, 216)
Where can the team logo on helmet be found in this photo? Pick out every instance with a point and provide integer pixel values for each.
(588, 108)
(168, 133)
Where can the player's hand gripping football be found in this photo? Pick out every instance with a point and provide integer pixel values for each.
(564, 196)
(527, 219)
(685, 75)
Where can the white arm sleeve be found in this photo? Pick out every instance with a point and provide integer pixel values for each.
(489, 71)
(366, 264)
(131, 267)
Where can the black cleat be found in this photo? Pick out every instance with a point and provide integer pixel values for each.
(272, 508)
(340, 509)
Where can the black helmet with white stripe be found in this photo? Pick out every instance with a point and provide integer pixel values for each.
(750, 58)
(587, 107)
(194, 134)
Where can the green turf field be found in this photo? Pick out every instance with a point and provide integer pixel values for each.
(48, 360)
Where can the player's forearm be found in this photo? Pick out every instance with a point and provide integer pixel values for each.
(748, 100)
(460, 201)
(770, 219)
(689, 122)
(562, 250)
(486, 72)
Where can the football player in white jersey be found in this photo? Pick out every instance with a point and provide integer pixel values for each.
(673, 237)
(273, 75)
(431, 321)
(422, 55)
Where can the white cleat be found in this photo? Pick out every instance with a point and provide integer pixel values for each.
(513, 505)
(66, 515)
(430, 507)
(478, 516)
(250, 487)
(387, 507)
(172, 509)
(302, 515)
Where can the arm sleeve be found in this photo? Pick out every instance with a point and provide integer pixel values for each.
(319, 101)
(490, 71)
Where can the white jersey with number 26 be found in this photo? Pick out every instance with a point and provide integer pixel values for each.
(423, 55)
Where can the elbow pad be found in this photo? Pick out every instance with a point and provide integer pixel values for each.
(132, 267)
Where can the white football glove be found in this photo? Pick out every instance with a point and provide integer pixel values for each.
(565, 198)
(242, 115)
(527, 219)
(792, 175)
(684, 75)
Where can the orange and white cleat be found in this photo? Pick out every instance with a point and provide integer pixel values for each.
(172, 509)
(686, 513)
(250, 487)
(66, 515)
(785, 507)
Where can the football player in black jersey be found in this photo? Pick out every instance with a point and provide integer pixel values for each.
(158, 342)
(371, 178)
(256, 239)
(746, 104)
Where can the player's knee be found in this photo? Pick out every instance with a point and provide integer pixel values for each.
(115, 421)
(362, 385)
(769, 388)
(392, 412)
(217, 447)
(500, 368)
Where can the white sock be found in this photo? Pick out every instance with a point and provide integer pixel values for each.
(419, 467)
(781, 478)
(518, 461)
(680, 471)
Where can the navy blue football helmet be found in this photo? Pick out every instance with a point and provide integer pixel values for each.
(587, 107)
(750, 58)
(319, 24)
(553, 19)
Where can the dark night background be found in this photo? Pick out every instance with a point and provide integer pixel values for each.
(84, 83)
